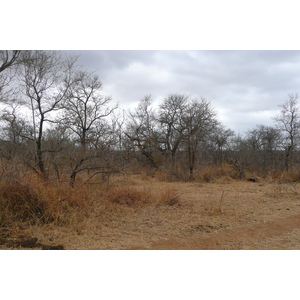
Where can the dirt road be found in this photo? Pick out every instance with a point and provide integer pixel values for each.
(226, 238)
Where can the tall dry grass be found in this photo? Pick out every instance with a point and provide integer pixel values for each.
(34, 201)
(292, 175)
(137, 197)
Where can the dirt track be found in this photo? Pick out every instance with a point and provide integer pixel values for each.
(226, 237)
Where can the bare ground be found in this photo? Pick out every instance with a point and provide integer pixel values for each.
(225, 215)
(238, 238)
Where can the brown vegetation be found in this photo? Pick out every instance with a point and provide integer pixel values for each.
(142, 212)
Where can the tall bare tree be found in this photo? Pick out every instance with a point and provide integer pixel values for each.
(173, 127)
(288, 121)
(199, 120)
(142, 130)
(47, 79)
(85, 114)
(184, 124)
(85, 105)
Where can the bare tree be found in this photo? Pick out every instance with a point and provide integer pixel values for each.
(171, 113)
(262, 144)
(47, 79)
(220, 141)
(85, 114)
(288, 121)
(184, 124)
(14, 128)
(199, 120)
(142, 130)
(264, 138)
(95, 159)
(11, 131)
(9, 58)
(118, 129)
(238, 154)
(85, 105)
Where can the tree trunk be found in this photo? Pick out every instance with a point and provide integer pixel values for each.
(287, 158)
(150, 157)
(72, 178)
(191, 162)
(39, 151)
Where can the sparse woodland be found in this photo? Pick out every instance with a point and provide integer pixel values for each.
(64, 145)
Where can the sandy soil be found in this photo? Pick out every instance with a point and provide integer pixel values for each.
(225, 215)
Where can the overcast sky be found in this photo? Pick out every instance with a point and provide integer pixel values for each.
(244, 87)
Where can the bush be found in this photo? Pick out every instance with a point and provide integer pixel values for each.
(170, 197)
(292, 175)
(128, 196)
(211, 173)
(21, 201)
(34, 201)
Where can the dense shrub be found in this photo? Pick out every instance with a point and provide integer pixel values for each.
(21, 201)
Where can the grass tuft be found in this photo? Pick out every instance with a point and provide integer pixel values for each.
(132, 196)
(128, 196)
(170, 197)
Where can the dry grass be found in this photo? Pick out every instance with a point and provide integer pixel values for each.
(135, 211)
(34, 201)
(137, 197)
(170, 197)
(292, 175)
(21, 201)
(221, 173)
(129, 196)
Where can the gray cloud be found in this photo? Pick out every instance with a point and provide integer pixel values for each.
(245, 87)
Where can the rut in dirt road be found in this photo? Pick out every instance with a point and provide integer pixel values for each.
(217, 241)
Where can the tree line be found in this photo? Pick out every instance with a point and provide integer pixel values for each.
(56, 122)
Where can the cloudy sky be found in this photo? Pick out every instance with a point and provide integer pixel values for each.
(245, 87)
